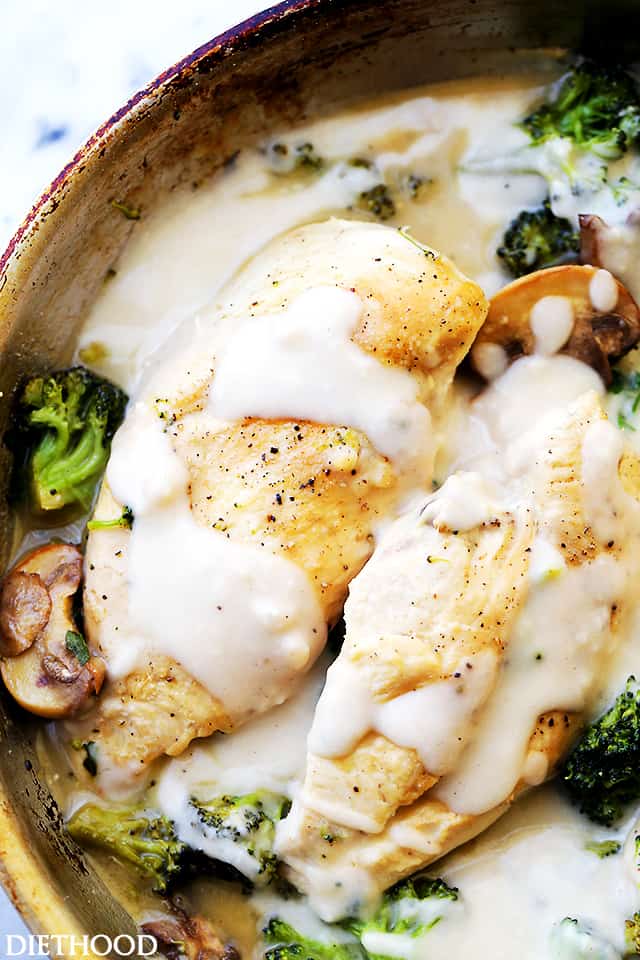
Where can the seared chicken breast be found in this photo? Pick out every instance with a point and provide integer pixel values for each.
(285, 484)
(432, 720)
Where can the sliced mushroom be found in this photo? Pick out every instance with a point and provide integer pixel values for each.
(616, 248)
(593, 231)
(188, 936)
(25, 607)
(602, 329)
(596, 236)
(43, 671)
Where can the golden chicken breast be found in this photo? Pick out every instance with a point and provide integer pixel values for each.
(475, 639)
(258, 460)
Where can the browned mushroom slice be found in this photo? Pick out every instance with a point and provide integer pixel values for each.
(601, 244)
(25, 607)
(603, 324)
(617, 248)
(593, 229)
(47, 667)
(187, 936)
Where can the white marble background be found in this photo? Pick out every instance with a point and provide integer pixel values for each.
(64, 68)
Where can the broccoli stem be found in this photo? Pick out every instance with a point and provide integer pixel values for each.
(287, 943)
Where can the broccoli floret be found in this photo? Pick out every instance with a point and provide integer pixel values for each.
(572, 940)
(287, 944)
(378, 201)
(302, 157)
(597, 107)
(411, 907)
(144, 839)
(535, 239)
(243, 831)
(306, 156)
(591, 118)
(602, 773)
(239, 830)
(65, 423)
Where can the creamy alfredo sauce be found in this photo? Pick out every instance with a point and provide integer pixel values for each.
(529, 871)
(190, 587)
(305, 364)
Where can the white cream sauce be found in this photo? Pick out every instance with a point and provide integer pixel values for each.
(193, 592)
(551, 321)
(433, 720)
(267, 753)
(577, 181)
(555, 653)
(465, 501)
(302, 364)
(525, 875)
(531, 392)
(603, 291)
(608, 508)
(490, 360)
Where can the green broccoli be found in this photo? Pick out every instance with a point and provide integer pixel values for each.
(626, 386)
(590, 119)
(535, 239)
(573, 940)
(65, 422)
(597, 107)
(603, 848)
(411, 908)
(301, 157)
(239, 830)
(602, 773)
(306, 156)
(243, 830)
(378, 201)
(145, 839)
(124, 520)
(632, 935)
(287, 944)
